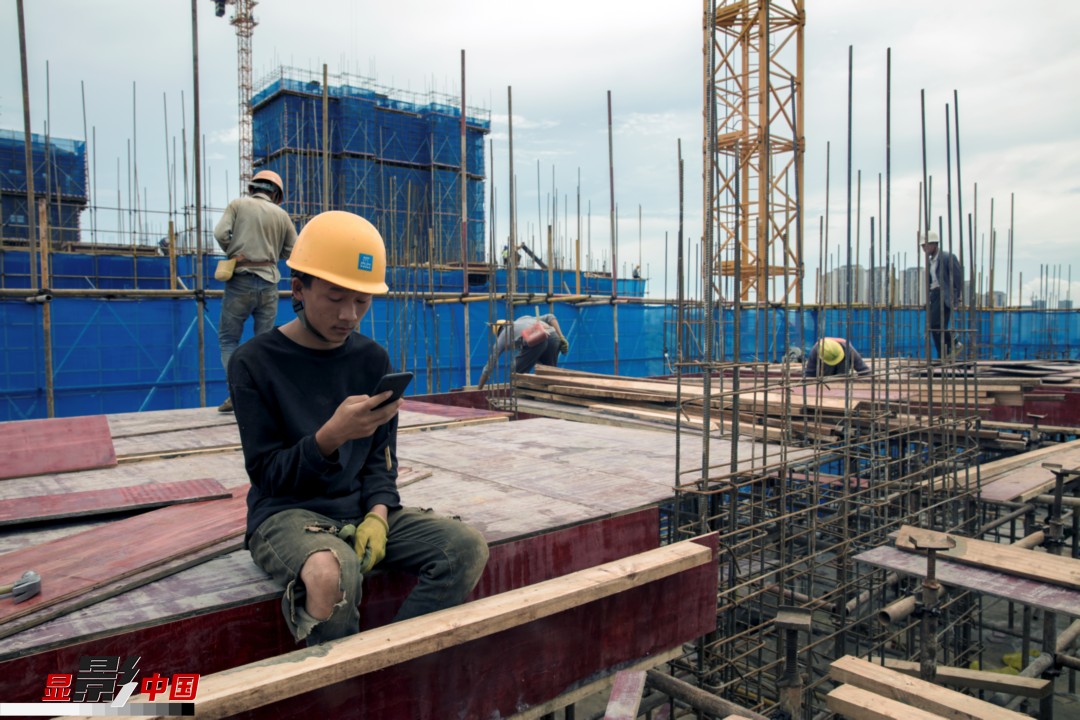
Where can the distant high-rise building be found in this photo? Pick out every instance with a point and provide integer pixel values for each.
(912, 286)
(837, 281)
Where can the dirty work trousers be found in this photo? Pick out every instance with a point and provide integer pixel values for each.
(445, 554)
(246, 294)
(545, 353)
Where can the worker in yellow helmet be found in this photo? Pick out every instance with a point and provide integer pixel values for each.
(321, 454)
(253, 232)
(834, 356)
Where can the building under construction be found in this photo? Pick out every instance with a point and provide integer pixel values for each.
(686, 519)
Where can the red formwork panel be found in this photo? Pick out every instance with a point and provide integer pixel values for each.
(36, 447)
(220, 638)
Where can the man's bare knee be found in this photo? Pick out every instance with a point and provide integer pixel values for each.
(321, 575)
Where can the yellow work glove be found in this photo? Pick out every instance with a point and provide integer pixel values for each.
(564, 346)
(370, 541)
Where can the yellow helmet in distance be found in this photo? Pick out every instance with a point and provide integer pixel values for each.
(831, 352)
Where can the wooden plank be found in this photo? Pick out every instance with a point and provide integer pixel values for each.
(73, 565)
(1029, 592)
(625, 698)
(978, 679)
(54, 445)
(858, 704)
(253, 686)
(916, 692)
(1056, 569)
(108, 500)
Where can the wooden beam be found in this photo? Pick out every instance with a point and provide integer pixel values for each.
(259, 684)
(1056, 569)
(625, 698)
(915, 692)
(858, 704)
(978, 679)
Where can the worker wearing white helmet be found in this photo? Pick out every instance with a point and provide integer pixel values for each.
(946, 283)
(321, 454)
(254, 233)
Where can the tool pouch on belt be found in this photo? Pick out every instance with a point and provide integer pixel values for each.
(533, 335)
(224, 270)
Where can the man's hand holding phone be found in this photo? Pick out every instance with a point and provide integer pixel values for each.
(359, 416)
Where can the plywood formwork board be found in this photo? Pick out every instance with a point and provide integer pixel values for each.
(80, 562)
(122, 425)
(16, 633)
(178, 431)
(1045, 596)
(916, 692)
(178, 623)
(54, 445)
(978, 679)
(1033, 564)
(854, 703)
(108, 500)
(519, 624)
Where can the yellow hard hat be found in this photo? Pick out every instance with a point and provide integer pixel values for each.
(344, 249)
(269, 176)
(831, 352)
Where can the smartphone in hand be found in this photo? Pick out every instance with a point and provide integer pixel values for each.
(396, 382)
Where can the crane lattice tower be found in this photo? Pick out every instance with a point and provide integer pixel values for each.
(753, 157)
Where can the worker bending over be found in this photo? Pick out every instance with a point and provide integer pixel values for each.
(323, 507)
(537, 340)
(833, 356)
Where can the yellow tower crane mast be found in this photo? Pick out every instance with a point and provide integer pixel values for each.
(244, 22)
(754, 145)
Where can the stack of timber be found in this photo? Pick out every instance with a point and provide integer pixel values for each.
(807, 411)
(868, 691)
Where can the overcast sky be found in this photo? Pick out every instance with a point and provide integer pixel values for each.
(1014, 69)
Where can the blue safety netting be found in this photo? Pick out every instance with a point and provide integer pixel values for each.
(121, 355)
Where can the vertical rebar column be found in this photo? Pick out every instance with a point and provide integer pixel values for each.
(614, 242)
(31, 229)
(199, 280)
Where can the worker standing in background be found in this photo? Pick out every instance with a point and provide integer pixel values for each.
(537, 340)
(946, 283)
(323, 507)
(253, 232)
(833, 356)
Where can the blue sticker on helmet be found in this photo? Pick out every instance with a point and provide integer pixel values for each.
(366, 262)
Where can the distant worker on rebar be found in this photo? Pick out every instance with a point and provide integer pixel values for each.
(834, 356)
(254, 232)
(946, 283)
(506, 256)
(538, 340)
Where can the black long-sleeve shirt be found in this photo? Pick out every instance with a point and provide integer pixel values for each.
(283, 393)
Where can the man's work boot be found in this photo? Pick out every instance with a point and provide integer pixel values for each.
(225, 406)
